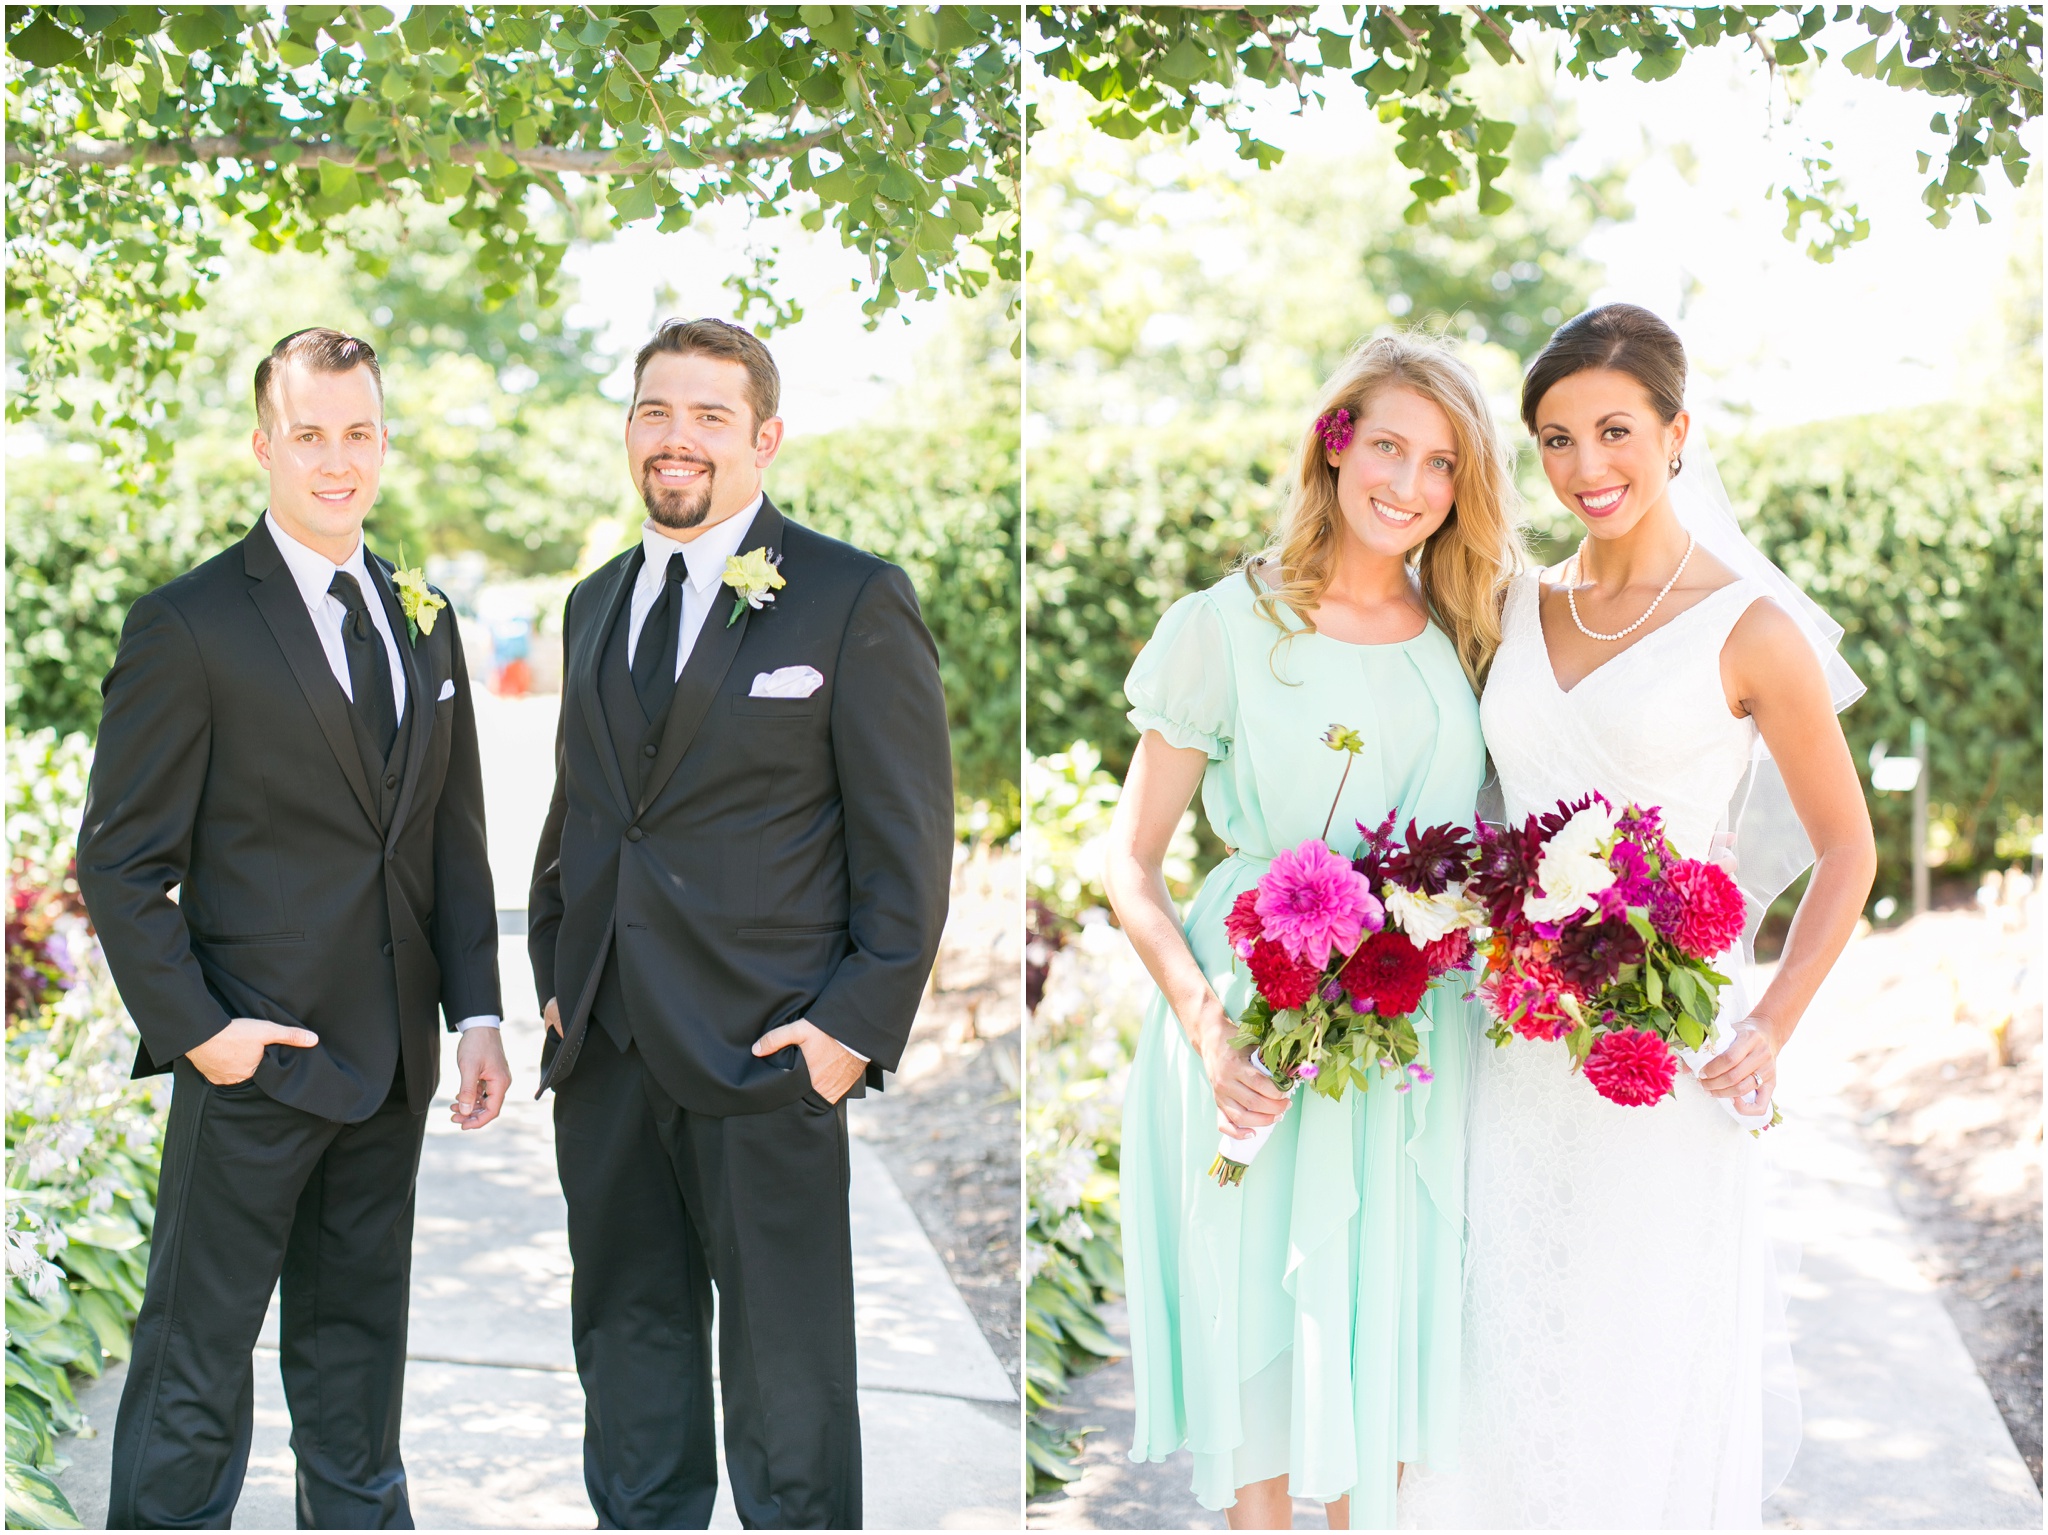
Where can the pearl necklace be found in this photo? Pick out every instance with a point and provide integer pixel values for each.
(1572, 601)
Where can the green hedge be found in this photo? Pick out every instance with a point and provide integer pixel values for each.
(1920, 532)
(943, 504)
(1123, 522)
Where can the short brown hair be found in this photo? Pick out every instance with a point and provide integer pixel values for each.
(1624, 337)
(322, 350)
(721, 339)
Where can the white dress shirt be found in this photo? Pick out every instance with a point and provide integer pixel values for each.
(313, 572)
(705, 555)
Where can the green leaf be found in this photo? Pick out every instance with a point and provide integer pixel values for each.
(337, 184)
(633, 199)
(45, 44)
(35, 1503)
(1862, 61)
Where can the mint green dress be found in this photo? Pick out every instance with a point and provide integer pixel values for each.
(1305, 1323)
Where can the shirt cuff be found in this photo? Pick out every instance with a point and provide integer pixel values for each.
(480, 1021)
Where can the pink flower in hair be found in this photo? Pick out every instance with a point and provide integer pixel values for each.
(1334, 427)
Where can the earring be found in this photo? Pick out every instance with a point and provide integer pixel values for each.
(1677, 463)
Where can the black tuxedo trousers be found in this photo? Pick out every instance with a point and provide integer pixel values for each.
(664, 1203)
(253, 1192)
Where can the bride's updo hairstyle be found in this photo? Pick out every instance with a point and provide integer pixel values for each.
(1622, 337)
(1465, 565)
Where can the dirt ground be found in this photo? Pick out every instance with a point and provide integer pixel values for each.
(949, 1126)
(1950, 1092)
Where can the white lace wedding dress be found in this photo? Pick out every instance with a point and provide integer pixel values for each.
(1624, 1361)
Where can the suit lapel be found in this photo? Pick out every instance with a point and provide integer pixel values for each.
(277, 598)
(418, 700)
(718, 643)
(583, 668)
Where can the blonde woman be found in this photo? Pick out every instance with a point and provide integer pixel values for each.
(1299, 1333)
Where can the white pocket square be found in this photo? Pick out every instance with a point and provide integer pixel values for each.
(787, 682)
(447, 691)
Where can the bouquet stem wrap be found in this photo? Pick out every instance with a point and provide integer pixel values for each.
(1234, 1156)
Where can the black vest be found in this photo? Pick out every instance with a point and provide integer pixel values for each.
(636, 739)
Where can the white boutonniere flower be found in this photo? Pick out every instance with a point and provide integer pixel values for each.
(417, 600)
(755, 579)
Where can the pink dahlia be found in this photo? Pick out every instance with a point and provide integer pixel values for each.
(1387, 975)
(1451, 952)
(1698, 908)
(1311, 901)
(1631, 1067)
(1283, 980)
(1242, 926)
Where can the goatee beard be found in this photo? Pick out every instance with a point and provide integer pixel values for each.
(677, 508)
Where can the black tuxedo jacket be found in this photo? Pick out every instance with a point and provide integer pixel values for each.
(778, 858)
(309, 893)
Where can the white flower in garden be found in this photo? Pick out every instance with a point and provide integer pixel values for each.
(1573, 868)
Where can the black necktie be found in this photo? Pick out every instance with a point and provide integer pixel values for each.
(369, 666)
(654, 659)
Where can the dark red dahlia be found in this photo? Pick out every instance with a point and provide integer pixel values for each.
(1590, 954)
(1698, 908)
(1434, 859)
(1631, 1066)
(1283, 980)
(1388, 975)
(1242, 925)
(1503, 869)
(1453, 951)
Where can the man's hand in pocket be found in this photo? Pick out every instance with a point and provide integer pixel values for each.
(833, 1068)
(234, 1053)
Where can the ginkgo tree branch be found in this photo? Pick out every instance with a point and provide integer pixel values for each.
(306, 156)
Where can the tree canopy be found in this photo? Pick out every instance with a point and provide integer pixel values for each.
(133, 131)
(1165, 67)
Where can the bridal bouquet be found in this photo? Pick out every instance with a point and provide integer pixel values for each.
(1340, 952)
(1604, 937)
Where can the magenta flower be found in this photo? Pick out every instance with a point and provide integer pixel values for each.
(1308, 1071)
(1422, 1074)
(1334, 427)
(1311, 901)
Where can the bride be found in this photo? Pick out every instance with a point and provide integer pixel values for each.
(1620, 1298)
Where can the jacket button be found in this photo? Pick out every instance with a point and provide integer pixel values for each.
(387, 948)
(648, 751)
(390, 780)
(634, 834)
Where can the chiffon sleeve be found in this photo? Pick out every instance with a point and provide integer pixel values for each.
(1180, 685)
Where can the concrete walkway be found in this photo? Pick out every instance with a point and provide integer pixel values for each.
(493, 1434)
(1900, 1430)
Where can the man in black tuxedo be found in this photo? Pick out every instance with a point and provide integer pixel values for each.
(736, 903)
(289, 751)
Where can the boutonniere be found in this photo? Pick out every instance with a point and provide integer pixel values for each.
(756, 580)
(416, 599)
